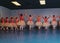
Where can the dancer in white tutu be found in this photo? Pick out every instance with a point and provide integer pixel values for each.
(12, 23)
(6, 23)
(2, 23)
(59, 20)
(38, 22)
(59, 23)
(21, 22)
(30, 22)
(16, 21)
(54, 22)
(46, 24)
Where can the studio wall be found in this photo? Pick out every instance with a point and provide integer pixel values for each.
(42, 12)
(4, 12)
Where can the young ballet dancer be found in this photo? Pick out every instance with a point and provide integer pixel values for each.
(46, 24)
(38, 22)
(59, 20)
(16, 21)
(54, 22)
(12, 23)
(7, 23)
(30, 22)
(2, 23)
(21, 22)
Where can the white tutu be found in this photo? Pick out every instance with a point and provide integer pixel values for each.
(54, 23)
(2, 24)
(21, 23)
(46, 24)
(38, 24)
(30, 23)
(12, 25)
(7, 24)
(59, 22)
(17, 23)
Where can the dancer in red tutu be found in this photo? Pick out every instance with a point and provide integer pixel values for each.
(54, 21)
(16, 21)
(7, 22)
(38, 22)
(2, 22)
(12, 23)
(21, 22)
(46, 24)
(30, 22)
(59, 20)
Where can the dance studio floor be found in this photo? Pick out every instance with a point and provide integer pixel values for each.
(33, 36)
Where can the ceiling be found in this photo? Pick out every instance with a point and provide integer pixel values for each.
(30, 4)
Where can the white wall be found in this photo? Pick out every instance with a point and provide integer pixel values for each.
(7, 12)
(51, 11)
(4, 12)
(44, 12)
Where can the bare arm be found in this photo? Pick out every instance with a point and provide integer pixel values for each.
(42, 17)
(49, 16)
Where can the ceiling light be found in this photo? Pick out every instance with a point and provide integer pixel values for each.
(16, 3)
(42, 2)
